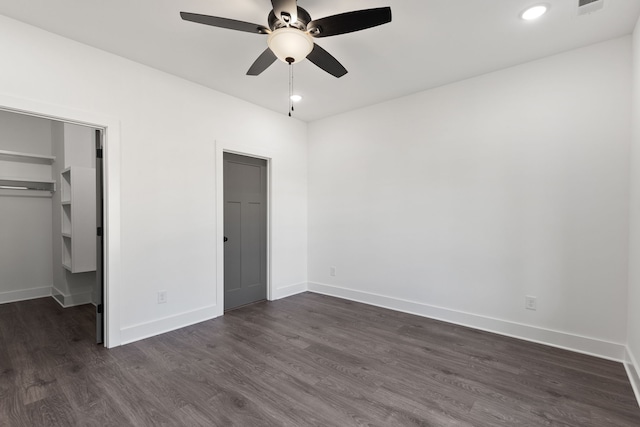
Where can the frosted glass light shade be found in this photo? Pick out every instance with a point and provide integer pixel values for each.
(290, 43)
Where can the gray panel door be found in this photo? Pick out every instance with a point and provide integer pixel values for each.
(245, 230)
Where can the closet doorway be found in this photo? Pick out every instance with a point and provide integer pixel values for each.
(51, 203)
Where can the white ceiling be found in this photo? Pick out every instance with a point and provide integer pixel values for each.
(429, 43)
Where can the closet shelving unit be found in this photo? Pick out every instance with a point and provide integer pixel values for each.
(78, 196)
(23, 183)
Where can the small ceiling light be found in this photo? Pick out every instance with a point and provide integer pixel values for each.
(534, 12)
(296, 98)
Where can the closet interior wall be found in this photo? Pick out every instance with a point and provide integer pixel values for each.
(31, 242)
(26, 257)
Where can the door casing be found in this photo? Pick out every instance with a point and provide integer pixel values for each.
(243, 150)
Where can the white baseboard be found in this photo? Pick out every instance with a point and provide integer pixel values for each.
(157, 327)
(633, 371)
(71, 300)
(25, 294)
(289, 291)
(563, 340)
(171, 323)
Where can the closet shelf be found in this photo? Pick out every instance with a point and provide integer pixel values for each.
(22, 183)
(50, 159)
(25, 193)
(25, 179)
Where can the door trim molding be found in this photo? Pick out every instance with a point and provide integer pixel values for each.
(243, 150)
(111, 158)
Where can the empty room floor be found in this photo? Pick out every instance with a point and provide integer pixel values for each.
(307, 360)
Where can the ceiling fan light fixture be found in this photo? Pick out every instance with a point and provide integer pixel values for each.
(296, 98)
(534, 12)
(290, 43)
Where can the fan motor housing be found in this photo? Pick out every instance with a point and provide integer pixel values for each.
(303, 20)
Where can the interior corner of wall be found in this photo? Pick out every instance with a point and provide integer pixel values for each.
(288, 291)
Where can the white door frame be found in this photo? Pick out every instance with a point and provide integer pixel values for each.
(111, 214)
(243, 150)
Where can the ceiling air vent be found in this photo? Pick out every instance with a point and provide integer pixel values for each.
(586, 7)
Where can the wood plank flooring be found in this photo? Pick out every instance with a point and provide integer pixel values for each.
(308, 360)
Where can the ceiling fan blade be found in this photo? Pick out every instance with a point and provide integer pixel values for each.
(262, 63)
(286, 10)
(349, 22)
(326, 61)
(230, 24)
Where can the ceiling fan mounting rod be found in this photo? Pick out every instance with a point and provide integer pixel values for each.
(300, 23)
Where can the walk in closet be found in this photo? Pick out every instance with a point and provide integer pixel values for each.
(47, 210)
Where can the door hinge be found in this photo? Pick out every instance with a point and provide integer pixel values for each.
(99, 309)
(99, 153)
(99, 231)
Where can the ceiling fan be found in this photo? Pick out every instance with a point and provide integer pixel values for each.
(291, 32)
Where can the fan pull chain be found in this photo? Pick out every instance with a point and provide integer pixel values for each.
(290, 61)
(290, 87)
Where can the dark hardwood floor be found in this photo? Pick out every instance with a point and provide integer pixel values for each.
(305, 360)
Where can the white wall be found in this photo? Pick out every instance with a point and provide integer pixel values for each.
(634, 239)
(457, 202)
(168, 129)
(25, 218)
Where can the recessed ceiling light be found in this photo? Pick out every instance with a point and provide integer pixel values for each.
(296, 98)
(534, 12)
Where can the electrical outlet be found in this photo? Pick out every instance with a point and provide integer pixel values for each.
(162, 297)
(531, 303)
(332, 271)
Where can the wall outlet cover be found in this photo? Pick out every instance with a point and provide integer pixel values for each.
(162, 297)
(530, 303)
